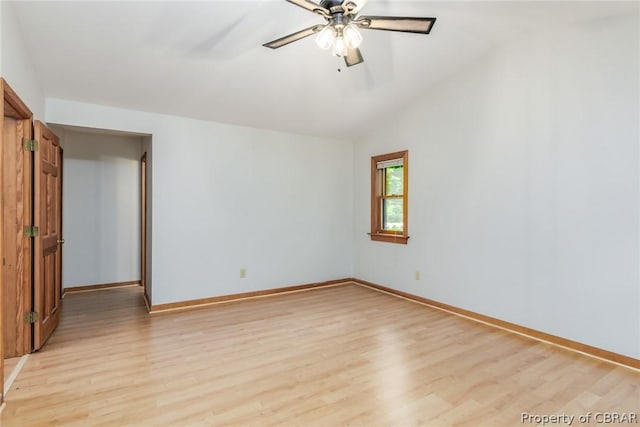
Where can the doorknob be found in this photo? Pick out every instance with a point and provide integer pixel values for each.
(61, 241)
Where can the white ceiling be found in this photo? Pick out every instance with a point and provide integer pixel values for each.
(205, 60)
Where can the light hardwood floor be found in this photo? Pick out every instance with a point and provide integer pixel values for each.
(9, 364)
(344, 355)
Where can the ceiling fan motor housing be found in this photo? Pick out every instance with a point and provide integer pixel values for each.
(328, 4)
(340, 11)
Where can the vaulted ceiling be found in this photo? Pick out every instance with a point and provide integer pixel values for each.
(205, 60)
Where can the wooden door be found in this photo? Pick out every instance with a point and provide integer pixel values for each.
(47, 208)
(16, 215)
(15, 206)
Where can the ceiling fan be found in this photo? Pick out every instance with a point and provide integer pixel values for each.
(340, 33)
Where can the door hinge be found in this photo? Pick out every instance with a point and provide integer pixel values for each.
(31, 144)
(31, 231)
(31, 317)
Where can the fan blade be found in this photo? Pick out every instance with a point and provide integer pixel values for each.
(293, 37)
(311, 6)
(353, 57)
(396, 23)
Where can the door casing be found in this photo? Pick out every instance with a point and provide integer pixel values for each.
(143, 228)
(15, 301)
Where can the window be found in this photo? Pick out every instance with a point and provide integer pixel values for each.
(389, 198)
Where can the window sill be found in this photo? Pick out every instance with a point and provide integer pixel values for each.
(389, 238)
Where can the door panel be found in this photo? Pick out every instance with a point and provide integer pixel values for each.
(16, 214)
(47, 210)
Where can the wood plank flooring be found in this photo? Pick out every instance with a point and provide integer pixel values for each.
(344, 355)
(9, 364)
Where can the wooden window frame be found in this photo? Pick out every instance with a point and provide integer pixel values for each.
(377, 233)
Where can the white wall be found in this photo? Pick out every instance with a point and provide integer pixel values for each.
(101, 206)
(16, 66)
(524, 187)
(226, 197)
(1, 34)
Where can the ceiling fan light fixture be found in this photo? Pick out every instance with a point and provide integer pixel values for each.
(352, 36)
(340, 32)
(326, 37)
(339, 47)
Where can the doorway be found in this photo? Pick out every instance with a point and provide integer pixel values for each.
(16, 248)
(30, 230)
(106, 231)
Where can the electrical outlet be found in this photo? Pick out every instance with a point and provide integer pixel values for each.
(417, 274)
(243, 273)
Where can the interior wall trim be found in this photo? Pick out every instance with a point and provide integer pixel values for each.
(16, 107)
(87, 288)
(609, 356)
(146, 302)
(196, 303)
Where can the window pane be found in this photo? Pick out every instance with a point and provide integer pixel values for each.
(392, 214)
(394, 177)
